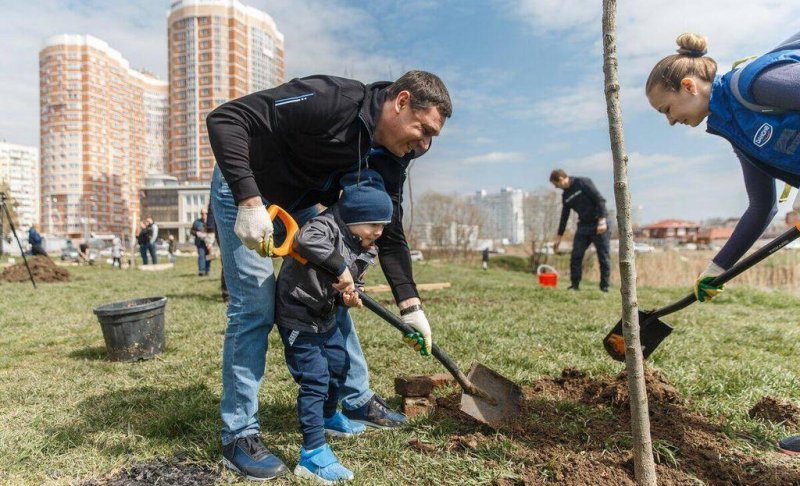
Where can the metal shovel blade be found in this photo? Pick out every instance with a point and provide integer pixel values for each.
(507, 397)
(652, 331)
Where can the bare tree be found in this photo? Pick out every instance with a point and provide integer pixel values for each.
(542, 212)
(447, 222)
(468, 221)
(644, 464)
(11, 205)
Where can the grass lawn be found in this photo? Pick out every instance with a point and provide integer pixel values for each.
(68, 415)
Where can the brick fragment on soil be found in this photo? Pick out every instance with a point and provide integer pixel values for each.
(442, 379)
(421, 385)
(413, 386)
(416, 406)
(776, 411)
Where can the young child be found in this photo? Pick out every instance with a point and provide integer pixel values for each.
(339, 245)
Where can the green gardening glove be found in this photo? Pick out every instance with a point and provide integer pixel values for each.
(704, 291)
(417, 342)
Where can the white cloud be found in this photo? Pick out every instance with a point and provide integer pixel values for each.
(554, 16)
(496, 158)
(331, 37)
(646, 30)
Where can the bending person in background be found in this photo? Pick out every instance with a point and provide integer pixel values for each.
(686, 89)
(580, 195)
(36, 240)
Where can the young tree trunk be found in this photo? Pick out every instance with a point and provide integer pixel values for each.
(634, 364)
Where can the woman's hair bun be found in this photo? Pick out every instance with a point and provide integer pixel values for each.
(692, 45)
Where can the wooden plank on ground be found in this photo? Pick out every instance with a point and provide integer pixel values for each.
(427, 286)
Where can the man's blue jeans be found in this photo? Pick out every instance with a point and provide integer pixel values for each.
(151, 248)
(203, 265)
(251, 284)
(584, 237)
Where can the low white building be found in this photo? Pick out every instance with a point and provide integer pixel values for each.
(173, 206)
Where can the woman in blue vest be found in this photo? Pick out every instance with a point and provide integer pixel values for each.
(757, 109)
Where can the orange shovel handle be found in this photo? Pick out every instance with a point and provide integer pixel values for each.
(286, 249)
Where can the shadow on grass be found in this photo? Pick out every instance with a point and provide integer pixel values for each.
(183, 418)
(90, 353)
(213, 297)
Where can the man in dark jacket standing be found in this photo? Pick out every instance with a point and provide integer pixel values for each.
(289, 146)
(581, 196)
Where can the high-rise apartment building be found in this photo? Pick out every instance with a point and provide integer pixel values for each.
(19, 169)
(503, 214)
(103, 126)
(218, 50)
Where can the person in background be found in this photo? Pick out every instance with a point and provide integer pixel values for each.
(36, 242)
(143, 239)
(151, 246)
(199, 233)
(485, 258)
(580, 195)
(116, 252)
(172, 246)
(211, 227)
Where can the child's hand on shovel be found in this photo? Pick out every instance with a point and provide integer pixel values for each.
(351, 299)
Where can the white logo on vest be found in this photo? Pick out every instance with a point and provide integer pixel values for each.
(763, 135)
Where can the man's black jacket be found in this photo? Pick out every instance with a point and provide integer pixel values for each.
(585, 199)
(293, 143)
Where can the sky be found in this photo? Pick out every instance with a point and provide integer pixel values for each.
(525, 77)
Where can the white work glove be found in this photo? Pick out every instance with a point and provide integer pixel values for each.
(796, 203)
(253, 225)
(421, 339)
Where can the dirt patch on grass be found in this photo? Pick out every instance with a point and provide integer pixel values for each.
(774, 410)
(42, 268)
(176, 472)
(574, 430)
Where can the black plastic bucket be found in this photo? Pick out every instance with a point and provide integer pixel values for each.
(133, 329)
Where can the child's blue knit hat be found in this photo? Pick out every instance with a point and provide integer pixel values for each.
(364, 198)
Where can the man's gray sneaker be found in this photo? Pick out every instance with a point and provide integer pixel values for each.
(376, 413)
(248, 456)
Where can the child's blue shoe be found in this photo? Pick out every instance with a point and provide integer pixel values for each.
(341, 426)
(321, 465)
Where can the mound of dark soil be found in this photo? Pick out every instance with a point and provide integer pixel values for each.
(175, 473)
(774, 410)
(42, 268)
(574, 430)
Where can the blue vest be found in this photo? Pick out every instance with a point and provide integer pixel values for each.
(770, 138)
